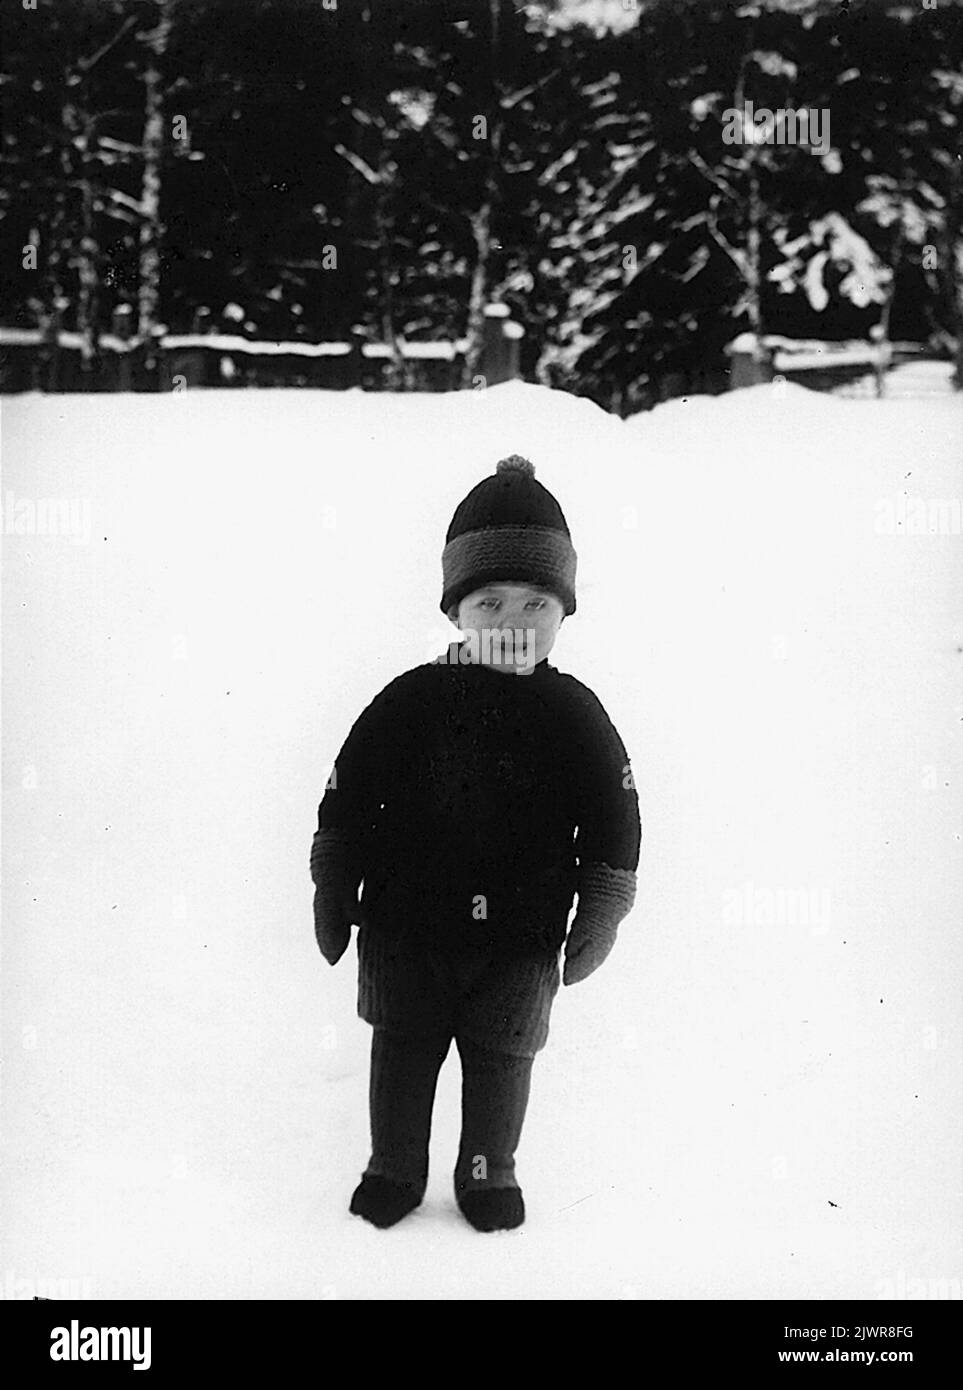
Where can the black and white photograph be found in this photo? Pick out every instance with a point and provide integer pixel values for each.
(482, 656)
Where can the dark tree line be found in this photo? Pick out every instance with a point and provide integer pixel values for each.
(309, 169)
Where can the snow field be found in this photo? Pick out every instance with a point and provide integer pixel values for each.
(779, 1026)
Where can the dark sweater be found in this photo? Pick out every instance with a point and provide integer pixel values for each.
(475, 803)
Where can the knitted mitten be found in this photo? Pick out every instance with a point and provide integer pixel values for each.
(335, 897)
(605, 896)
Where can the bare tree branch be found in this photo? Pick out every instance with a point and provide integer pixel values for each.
(359, 165)
(697, 162)
(712, 222)
(85, 64)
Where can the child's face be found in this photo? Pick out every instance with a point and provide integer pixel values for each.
(491, 616)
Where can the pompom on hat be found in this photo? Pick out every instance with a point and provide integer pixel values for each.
(508, 528)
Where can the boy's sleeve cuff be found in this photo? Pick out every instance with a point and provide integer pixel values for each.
(605, 894)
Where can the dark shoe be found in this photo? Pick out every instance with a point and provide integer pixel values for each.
(383, 1202)
(493, 1208)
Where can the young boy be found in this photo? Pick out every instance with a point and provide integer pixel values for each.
(475, 796)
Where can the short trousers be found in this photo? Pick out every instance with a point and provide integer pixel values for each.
(502, 1003)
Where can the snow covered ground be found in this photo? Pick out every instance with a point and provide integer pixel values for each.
(757, 1097)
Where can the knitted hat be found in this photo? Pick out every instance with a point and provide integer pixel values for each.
(509, 527)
